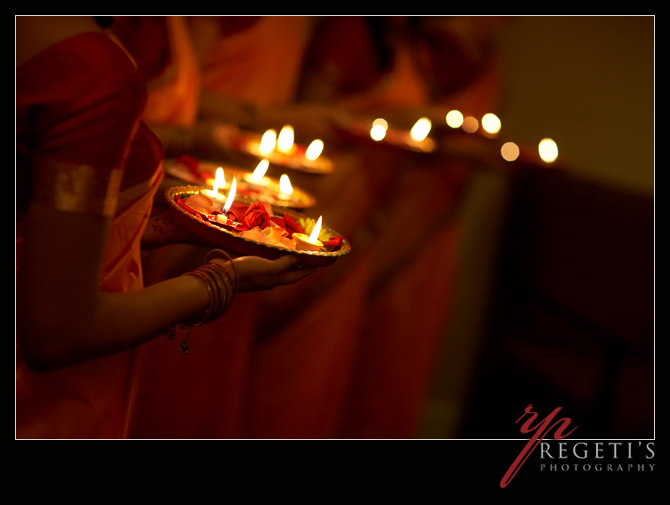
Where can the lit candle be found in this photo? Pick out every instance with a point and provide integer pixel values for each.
(268, 142)
(219, 182)
(314, 150)
(285, 139)
(285, 188)
(258, 175)
(311, 243)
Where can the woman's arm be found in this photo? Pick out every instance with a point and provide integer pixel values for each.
(64, 318)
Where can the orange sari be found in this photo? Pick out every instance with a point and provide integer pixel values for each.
(77, 105)
(260, 64)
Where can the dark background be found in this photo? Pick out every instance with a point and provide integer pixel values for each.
(556, 296)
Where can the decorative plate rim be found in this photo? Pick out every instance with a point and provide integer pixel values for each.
(345, 246)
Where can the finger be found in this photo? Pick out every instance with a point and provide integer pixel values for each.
(285, 262)
(294, 276)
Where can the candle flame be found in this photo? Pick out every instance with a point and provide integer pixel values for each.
(268, 141)
(285, 184)
(231, 196)
(313, 237)
(219, 180)
(420, 129)
(259, 172)
(314, 150)
(285, 140)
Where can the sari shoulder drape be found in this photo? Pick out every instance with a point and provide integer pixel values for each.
(81, 148)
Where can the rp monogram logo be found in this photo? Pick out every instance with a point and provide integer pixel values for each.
(540, 430)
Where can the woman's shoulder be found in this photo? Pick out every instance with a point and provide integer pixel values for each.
(35, 34)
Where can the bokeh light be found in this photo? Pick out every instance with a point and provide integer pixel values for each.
(420, 129)
(268, 141)
(509, 151)
(491, 123)
(285, 139)
(378, 132)
(470, 124)
(381, 122)
(548, 150)
(454, 118)
(314, 150)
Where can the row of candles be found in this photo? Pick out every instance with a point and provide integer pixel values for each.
(270, 143)
(490, 124)
(284, 143)
(303, 242)
(418, 135)
(256, 178)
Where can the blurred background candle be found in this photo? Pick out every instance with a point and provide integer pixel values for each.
(548, 150)
(285, 188)
(311, 243)
(454, 118)
(491, 124)
(258, 175)
(377, 132)
(268, 142)
(314, 150)
(219, 182)
(421, 129)
(285, 139)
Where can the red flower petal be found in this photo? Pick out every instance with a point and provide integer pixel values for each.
(291, 225)
(335, 241)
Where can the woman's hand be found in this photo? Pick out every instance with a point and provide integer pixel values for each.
(256, 274)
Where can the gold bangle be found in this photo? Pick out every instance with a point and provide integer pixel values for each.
(222, 289)
(220, 277)
(220, 253)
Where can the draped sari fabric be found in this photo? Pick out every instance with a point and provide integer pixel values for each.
(163, 50)
(199, 395)
(81, 148)
(260, 64)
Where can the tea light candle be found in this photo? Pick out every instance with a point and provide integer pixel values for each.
(285, 188)
(258, 176)
(285, 140)
(311, 243)
(268, 142)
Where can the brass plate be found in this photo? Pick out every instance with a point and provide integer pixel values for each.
(228, 239)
